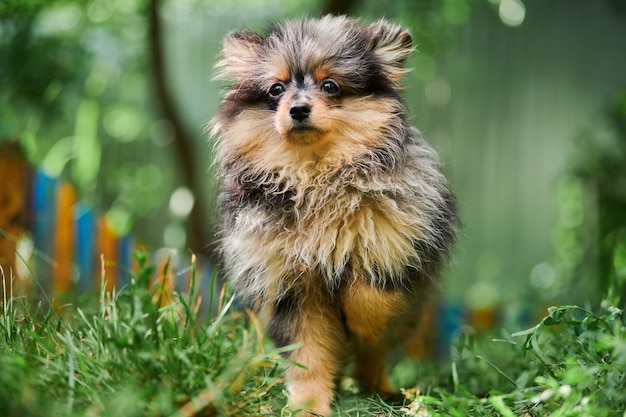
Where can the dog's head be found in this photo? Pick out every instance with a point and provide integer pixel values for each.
(320, 85)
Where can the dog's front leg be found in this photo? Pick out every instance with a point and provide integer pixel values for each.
(314, 323)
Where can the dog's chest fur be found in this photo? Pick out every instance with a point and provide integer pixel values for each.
(333, 225)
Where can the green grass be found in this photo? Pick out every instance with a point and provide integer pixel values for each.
(129, 354)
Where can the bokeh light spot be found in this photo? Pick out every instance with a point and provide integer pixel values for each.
(174, 236)
(483, 295)
(119, 219)
(181, 202)
(122, 124)
(542, 276)
(99, 11)
(512, 12)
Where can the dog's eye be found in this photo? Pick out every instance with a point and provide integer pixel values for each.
(276, 90)
(330, 87)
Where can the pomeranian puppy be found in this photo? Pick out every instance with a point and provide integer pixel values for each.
(336, 218)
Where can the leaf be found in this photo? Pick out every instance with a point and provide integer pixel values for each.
(503, 409)
(535, 344)
(527, 331)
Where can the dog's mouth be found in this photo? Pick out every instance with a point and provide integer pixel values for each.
(302, 128)
(303, 135)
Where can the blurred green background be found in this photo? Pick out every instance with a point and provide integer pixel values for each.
(523, 99)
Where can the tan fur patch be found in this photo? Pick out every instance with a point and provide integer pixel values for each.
(322, 351)
(320, 74)
(282, 72)
(368, 310)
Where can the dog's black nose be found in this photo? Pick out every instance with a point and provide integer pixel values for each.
(300, 111)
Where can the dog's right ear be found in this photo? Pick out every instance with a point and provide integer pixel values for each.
(240, 54)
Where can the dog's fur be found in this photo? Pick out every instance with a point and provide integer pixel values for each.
(336, 218)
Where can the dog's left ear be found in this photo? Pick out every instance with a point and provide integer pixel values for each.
(392, 44)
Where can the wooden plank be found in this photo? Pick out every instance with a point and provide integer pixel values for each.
(64, 240)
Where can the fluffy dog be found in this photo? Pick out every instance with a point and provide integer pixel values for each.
(336, 218)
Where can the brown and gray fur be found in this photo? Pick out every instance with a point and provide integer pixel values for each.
(336, 218)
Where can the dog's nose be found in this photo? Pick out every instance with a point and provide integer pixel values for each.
(300, 111)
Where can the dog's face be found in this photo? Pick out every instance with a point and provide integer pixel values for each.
(320, 86)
